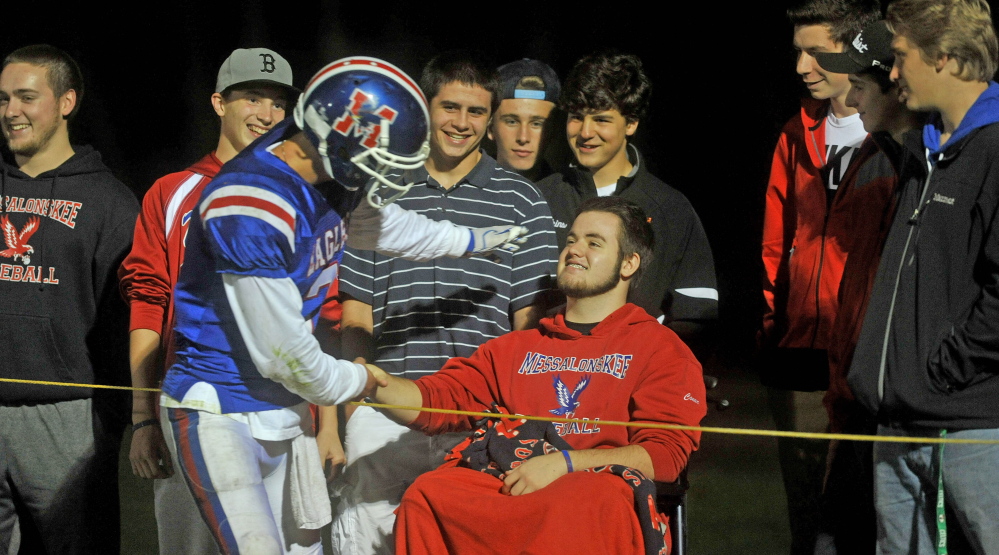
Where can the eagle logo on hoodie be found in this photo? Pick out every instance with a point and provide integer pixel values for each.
(17, 243)
(568, 401)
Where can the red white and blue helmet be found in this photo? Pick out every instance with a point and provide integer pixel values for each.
(366, 117)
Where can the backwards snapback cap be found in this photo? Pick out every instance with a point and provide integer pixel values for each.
(513, 73)
(870, 49)
(254, 64)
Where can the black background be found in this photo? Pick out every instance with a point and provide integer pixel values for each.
(723, 77)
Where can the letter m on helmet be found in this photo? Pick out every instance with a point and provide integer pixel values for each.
(351, 119)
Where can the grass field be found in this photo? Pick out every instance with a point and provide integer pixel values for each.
(736, 501)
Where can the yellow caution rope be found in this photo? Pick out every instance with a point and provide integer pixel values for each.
(646, 425)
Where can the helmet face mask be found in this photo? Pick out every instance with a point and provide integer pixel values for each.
(369, 121)
(377, 162)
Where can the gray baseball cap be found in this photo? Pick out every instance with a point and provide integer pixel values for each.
(510, 76)
(255, 64)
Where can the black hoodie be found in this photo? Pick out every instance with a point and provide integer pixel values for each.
(61, 318)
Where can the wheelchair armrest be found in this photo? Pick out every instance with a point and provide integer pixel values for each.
(676, 488)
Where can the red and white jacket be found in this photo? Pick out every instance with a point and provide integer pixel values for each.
(150, 271)
(805, 240)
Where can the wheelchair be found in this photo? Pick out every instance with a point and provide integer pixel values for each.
(671, 497)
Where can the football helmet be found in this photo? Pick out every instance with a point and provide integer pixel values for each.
(366, 117)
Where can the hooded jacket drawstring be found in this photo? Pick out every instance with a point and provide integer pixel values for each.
(45, 216)
(41, 229)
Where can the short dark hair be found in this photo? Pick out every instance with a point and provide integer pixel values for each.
(61, 69)
(880, 76)
(468, 67)
(636, 235)
(607, 81)
(845, 18)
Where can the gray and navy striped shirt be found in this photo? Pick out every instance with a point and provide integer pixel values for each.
(427, 312)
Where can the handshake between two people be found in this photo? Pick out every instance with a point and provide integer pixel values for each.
(376, 378)
(393, 390)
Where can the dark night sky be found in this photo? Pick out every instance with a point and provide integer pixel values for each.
(722, 74)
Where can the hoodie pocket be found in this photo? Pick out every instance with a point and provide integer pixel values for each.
(943, 373)
(32, 349)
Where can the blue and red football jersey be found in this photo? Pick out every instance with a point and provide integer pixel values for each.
(258, 217)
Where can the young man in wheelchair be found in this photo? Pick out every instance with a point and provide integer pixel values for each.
(599, 359)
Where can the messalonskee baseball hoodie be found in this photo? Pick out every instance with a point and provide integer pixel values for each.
(61, 317)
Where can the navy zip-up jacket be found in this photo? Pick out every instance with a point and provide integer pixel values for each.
(928, 353)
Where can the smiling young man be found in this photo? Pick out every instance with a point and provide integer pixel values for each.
(653, 377)
(253, 93)
(848, 520)
(925, 362)
(806, 238)
(411, 317)
(606, 96)
(67, 224)
(529, 90)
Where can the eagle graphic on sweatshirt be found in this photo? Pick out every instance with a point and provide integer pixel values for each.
(568, 402)
(17, 243)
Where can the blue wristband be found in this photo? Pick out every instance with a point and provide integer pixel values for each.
(568, 460)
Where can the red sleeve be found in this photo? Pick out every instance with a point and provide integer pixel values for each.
(144, 274)
(331, 312)
(670, 393)
(463, 384)
(774, 233)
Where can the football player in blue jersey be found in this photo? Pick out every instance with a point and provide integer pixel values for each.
(265, 243)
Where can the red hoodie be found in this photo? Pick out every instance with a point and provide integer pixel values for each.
(634, 368)
(629, 368)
